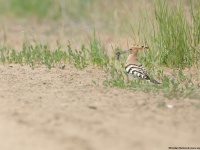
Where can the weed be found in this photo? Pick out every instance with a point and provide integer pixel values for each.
(171, 45)
(39, 54)
(171, 37)
(97, 55)
(170, 87)
(2, 55)
(177, 85)
(79, 57)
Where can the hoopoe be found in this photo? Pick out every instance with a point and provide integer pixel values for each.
(133, 66)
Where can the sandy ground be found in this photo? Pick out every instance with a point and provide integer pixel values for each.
(56, 109)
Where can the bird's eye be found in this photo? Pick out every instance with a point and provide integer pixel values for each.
(131, 49)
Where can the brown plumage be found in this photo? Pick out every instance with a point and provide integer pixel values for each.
(133, 66)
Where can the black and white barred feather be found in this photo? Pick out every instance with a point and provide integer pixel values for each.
(138, 72)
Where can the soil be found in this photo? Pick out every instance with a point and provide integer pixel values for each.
(56, 109)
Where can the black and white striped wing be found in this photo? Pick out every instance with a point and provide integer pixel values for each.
(137, 71)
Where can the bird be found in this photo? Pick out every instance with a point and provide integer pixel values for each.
(133, 66)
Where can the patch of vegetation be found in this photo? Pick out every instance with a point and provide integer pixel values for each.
(171, 44)
(177, 85)
(172, 37)
(41, 55)
(37, 8)
(97, 55)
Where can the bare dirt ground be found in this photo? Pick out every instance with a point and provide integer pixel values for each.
(56, 109)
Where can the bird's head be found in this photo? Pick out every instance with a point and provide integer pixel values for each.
(132, 50)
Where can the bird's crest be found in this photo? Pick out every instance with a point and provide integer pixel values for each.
(138, 47)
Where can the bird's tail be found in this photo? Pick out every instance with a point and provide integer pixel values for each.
(155, 82)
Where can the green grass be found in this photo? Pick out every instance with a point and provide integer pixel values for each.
(178, 85)
(106, 15)
(41, 55)
(172, 36)
(81, 14)
(35, 8)
(173, 41)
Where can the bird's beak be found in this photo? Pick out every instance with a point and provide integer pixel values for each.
(124, 51)
(121, 52)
